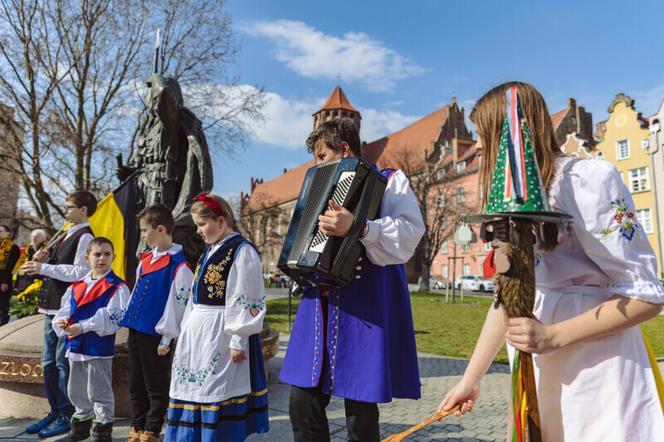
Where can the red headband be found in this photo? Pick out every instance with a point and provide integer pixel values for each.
(210, 203)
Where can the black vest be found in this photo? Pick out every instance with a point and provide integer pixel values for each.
(64, 253)
(212, 272)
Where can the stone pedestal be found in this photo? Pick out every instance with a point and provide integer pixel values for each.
(22, 376)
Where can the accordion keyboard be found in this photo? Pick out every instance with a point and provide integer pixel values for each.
(338, 196)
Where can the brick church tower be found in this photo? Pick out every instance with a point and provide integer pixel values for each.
(337, 106)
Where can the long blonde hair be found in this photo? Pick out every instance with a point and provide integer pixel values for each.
(199, 208)
(488, 116)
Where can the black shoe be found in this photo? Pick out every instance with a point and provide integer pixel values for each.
(80, 429)
(102, 432)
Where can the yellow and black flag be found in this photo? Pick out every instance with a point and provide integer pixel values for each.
(115, 219)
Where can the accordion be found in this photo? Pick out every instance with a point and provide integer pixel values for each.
(309, 256)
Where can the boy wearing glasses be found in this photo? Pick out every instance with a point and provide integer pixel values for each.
(64, 264)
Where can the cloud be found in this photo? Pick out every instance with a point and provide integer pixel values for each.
(378, 123)
(354, 56)
(649, 101)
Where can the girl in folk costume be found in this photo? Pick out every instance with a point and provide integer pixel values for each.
(218, 385)
(594, 285)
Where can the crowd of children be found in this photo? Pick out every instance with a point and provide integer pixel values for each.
(355, 342)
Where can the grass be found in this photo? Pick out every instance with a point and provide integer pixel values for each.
(450, 329)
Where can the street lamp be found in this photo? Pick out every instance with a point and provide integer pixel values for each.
(652, 150)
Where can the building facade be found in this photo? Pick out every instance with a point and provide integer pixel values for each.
(624, 141)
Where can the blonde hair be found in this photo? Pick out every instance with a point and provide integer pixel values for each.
(199, 208)
(488, 116)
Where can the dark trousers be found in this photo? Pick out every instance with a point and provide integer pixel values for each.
(306, 409)
(56, 371)
(4, 306)
(149, 381)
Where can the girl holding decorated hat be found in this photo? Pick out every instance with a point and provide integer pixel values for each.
(218, 384)
(595, 380)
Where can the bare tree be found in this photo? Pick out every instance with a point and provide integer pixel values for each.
(73, 70)
(434, 184)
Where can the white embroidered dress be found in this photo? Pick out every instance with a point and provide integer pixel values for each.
(203, 370)
(603, 389)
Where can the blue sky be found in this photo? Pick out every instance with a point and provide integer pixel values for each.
(398, 61)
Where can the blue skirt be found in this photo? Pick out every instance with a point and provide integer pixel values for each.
(230, 420)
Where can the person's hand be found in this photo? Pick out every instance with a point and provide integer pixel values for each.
(238, 355)
(40, 256)
(31, 268)
(73, 330)
(336, 221)
(463, 393)
(4, 287)
(62, 323)
(531, 336)
(162, 350)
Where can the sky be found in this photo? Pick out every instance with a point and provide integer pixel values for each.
(399, 61)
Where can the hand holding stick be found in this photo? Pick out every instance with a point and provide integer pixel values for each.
(435, 418)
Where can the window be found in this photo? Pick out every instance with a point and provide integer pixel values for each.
(645, 144)
(444, 249)
(441, 200)
(487, 246)
(465, 248)
(466, 269)
(639, 180)
(461, 166)
(622, 149)
(645, 219)
(461, 195)
(445, 271)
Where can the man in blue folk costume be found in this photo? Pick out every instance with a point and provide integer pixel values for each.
(356, 342)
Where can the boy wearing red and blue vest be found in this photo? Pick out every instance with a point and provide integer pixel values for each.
(89, 316)
(155, 310)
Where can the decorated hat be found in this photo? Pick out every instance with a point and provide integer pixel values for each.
(516, 185)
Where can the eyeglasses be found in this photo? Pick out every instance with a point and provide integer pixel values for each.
(70, 207)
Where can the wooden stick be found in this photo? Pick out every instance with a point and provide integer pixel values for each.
(435, 418)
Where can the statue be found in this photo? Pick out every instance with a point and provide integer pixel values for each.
(172, 161)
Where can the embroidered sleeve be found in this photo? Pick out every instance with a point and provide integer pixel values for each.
(245, 298)
(106, 320)
(63, 313)
(606, 225)
(169, 324)
(392, 238)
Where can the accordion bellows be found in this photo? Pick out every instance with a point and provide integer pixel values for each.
(309, 256)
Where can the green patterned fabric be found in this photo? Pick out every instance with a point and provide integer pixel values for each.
(498, 200)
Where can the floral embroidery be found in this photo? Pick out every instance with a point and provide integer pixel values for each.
(538, 258)
(185, 375)
(182, 295)
(116, 315)
(251, 303)
(214, 279)
(625, 221)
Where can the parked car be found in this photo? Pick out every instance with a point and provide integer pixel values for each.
(436, 284)
(472, 282)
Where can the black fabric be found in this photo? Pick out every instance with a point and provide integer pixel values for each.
(306, 409)
(217, 268)
(127, 198)
(23, 281)
(80, 429)
(6, 278)
(149, 381)
(102, 432)
(64, 253)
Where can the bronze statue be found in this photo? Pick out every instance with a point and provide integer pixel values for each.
(172, 160)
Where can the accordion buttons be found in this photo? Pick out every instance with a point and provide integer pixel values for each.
(358, 268)
(358, 277)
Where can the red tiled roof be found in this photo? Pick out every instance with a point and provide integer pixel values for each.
(337, 100)
(284, 188)
(412, 140)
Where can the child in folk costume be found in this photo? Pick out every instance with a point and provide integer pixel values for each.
(218, 385)
(595, 381)
(89, 317)
(153, 317)
(356, 342)
(61, 266)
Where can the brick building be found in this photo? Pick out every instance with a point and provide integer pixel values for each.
(11, 142)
